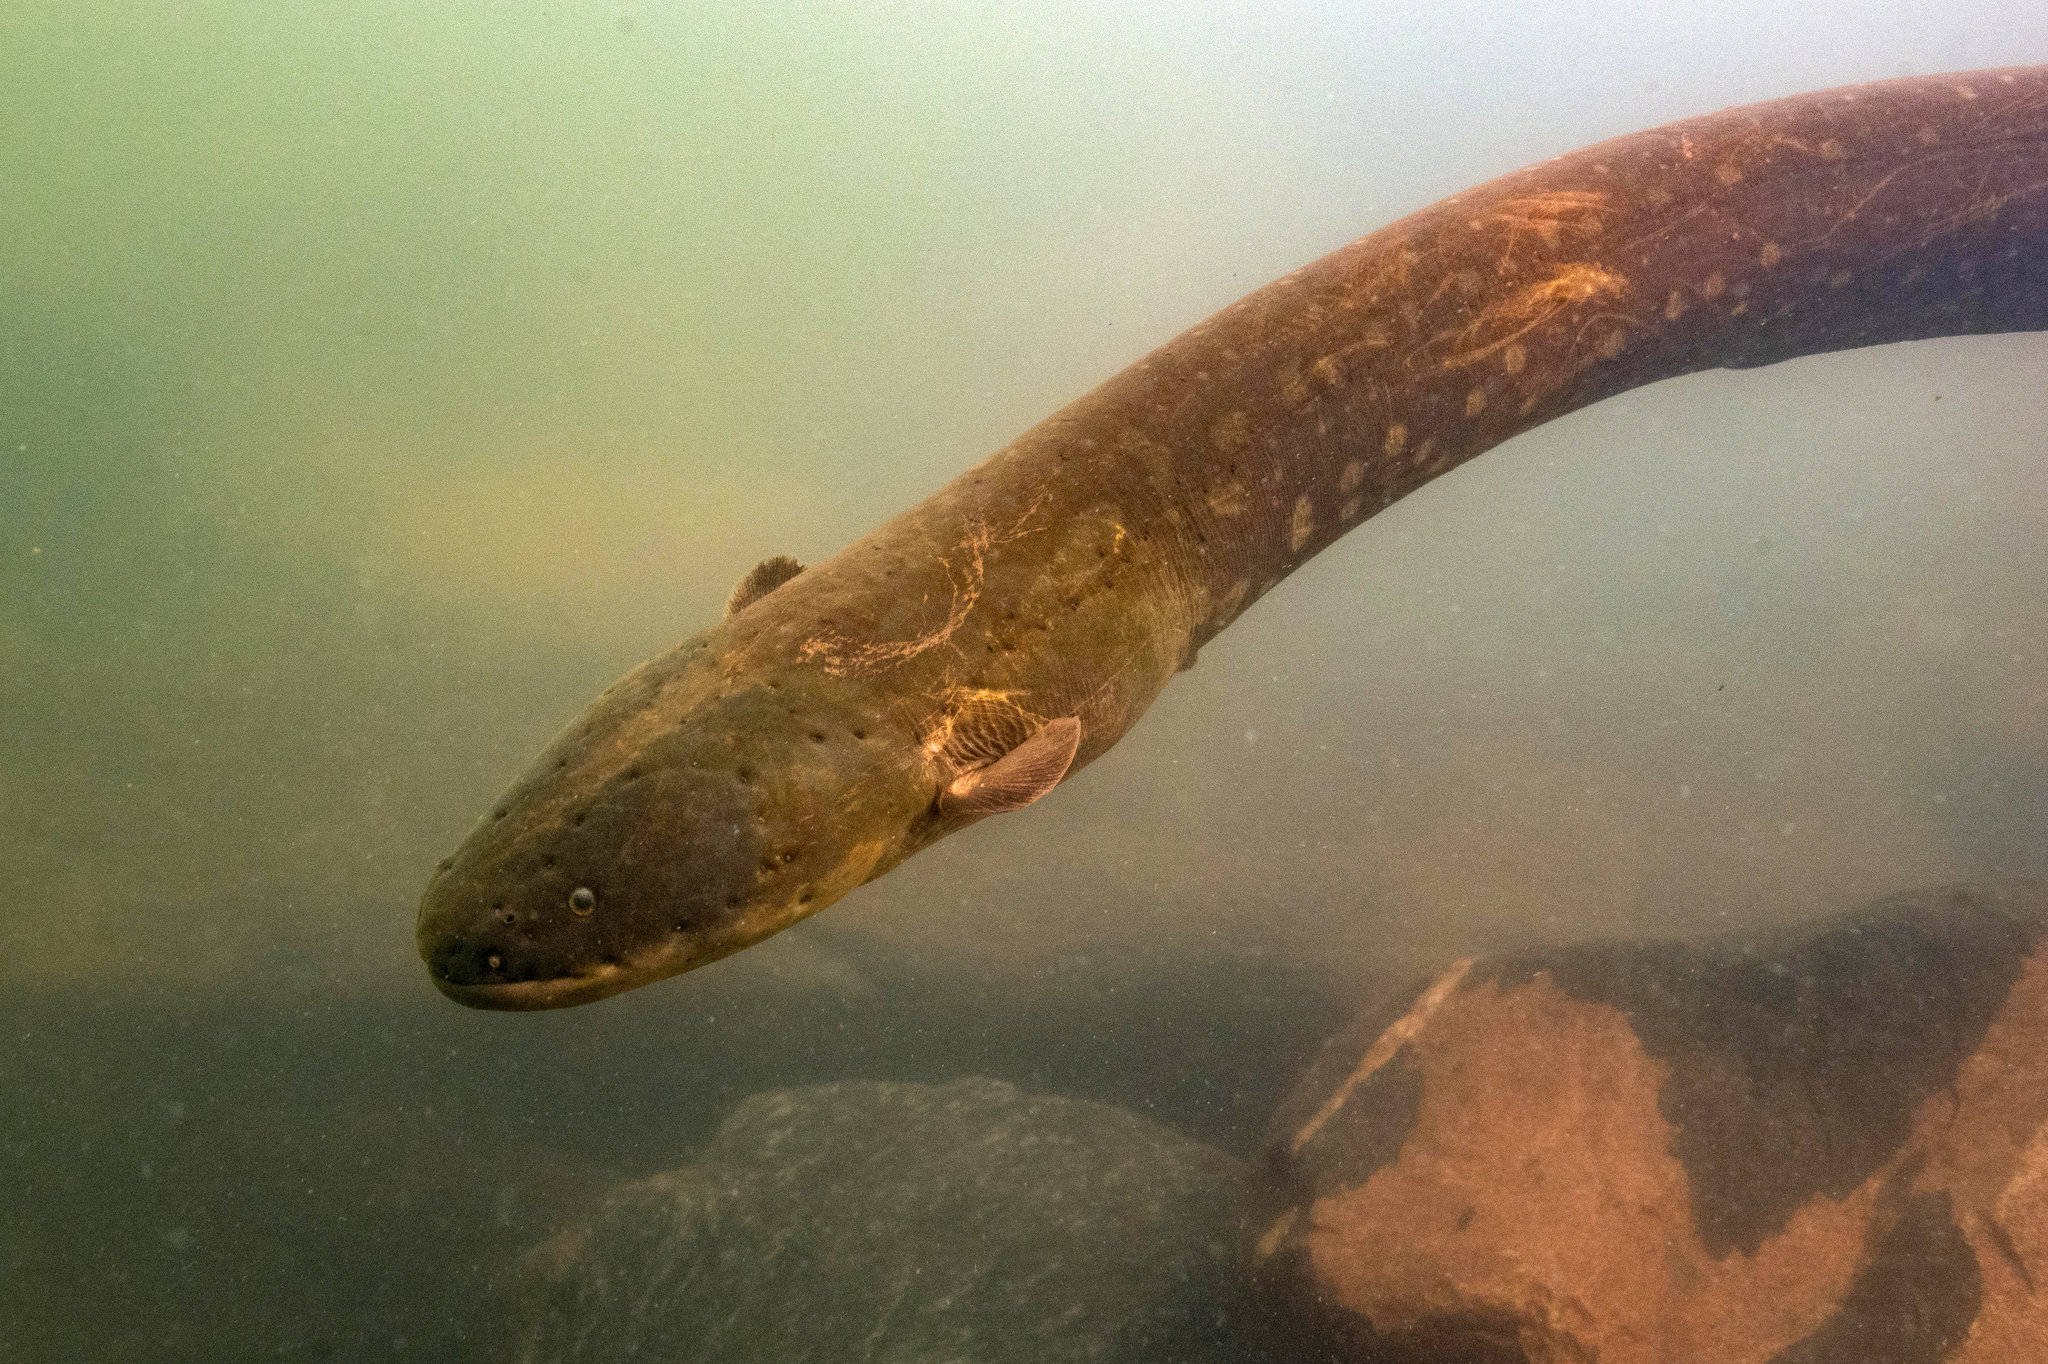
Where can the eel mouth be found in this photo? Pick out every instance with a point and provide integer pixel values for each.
(555, 992)
(478, 978)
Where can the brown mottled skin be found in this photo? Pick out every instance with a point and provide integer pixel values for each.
(762, 769)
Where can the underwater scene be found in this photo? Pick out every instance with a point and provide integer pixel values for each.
(558, 810)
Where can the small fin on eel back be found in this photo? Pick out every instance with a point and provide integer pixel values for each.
(764, 578)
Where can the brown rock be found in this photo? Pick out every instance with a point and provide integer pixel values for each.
(1822, 1149)
(865, 1222)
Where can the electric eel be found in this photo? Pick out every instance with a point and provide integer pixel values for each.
(965, 657)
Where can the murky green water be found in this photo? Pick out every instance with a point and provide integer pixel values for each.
(377, 382)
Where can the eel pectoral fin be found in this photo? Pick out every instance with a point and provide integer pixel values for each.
(766, 576)
(1020, 776)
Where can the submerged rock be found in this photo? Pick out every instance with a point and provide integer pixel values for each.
(867, 1221)
(1824, 1149)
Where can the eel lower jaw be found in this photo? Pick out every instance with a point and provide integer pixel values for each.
(447, 958)
(530, 995)
(579, 987)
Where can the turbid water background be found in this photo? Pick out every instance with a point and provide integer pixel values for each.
(378, 381)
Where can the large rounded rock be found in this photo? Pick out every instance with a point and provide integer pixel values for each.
(860, 1221)
(1831, 1149)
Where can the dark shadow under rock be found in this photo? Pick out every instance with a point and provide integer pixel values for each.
(868, 1221)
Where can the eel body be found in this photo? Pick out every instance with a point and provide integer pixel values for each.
(963, 657)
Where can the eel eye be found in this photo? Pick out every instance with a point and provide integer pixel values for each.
(582, 900)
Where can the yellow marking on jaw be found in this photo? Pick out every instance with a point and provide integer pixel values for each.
(1475, 402)
(1770, 255)
(1353, 475)
(851, 873)
(1397, 437)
